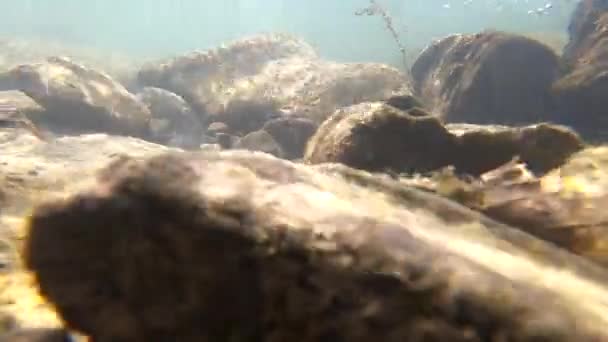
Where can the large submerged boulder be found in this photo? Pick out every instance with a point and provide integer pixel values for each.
(34, 170)
(77, 98)
(378, 136)
(581, 93)
(582, 25)
(487, 78)
(251, 81)
(242, 246)
(375, 136)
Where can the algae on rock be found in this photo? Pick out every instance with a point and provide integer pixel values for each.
(378, 136)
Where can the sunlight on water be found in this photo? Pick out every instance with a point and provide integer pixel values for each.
(154, 28)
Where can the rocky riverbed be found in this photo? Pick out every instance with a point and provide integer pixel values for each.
(257, 191)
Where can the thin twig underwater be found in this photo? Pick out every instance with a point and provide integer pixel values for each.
(376, 9)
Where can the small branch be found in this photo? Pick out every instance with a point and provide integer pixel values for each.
(376, 9)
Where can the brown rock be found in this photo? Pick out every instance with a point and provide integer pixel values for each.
(580, 29)
(542, 147)
(580, 94)
(379, 137)
(246, 247)
(487, 78)
(31, 171)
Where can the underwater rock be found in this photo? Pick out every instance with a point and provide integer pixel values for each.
(581, 94)
(243, 246)
(377, 136)
(202, 76)
(330, 85)
(173, 122)
(253, 80)
(260, 141)
(374, 136)
(542, 147)
(33, 170)
(487, 78)
(581, 28)
(77, 98)
(292, 134)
